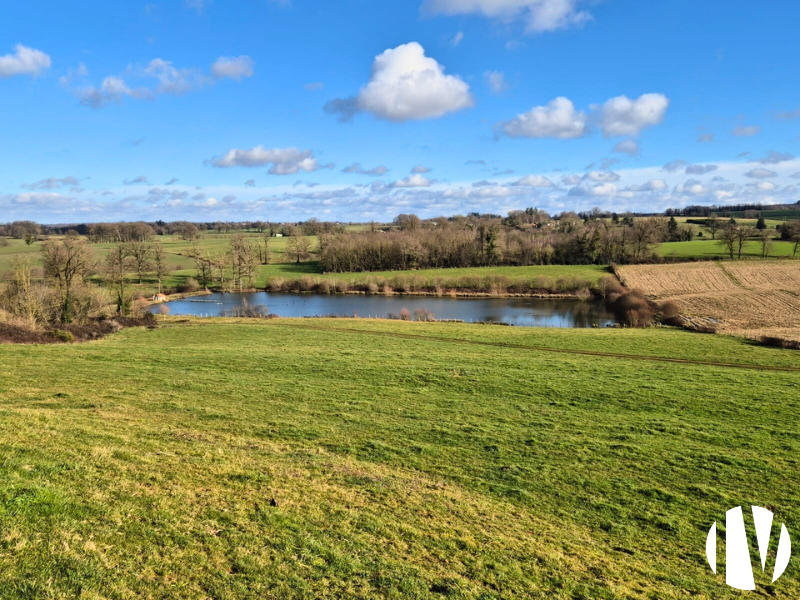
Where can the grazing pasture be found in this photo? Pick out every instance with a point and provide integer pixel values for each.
(750, 298)
(374, 459)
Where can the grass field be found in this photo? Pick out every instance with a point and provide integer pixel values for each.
(751, 298)
(708, 248)
(406, 460)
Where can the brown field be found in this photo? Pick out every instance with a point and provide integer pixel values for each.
(748, 298)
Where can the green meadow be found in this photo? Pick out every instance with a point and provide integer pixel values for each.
(374, 459)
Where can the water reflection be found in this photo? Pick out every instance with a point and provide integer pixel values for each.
(529, 312)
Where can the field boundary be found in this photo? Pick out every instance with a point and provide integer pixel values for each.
(661, 359)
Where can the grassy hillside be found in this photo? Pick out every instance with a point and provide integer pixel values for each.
(708, 248)
(406, 460)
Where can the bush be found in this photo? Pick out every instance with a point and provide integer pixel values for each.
(405, 314)
(632, 309)
(190, 285)
(61, 335)
(777, 342)
(423, 315)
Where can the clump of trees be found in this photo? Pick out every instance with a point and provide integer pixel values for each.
(59, 293)
(524, 238)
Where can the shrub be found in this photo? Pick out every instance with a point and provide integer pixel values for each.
(405, 314)
(190, 285)
(372, 288)
(632, 309)
(275, 284)
(424, 315)
(324, 286)
(61, 335)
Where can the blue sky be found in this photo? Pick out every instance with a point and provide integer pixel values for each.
(262, 109)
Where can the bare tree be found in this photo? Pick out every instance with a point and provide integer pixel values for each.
(727, 238)
(118, 264)
(767, 245)
(141, 253)
(66, 262)
(297, 246)
(743, 233)
(160, 264)
(713, 225)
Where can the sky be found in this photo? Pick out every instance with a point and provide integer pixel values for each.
(284, 110)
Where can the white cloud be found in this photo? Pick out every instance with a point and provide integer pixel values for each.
(600, 189)
(232, 67)
(198, 5)
(457, 39)
(623, 116)
(314, 87)
(602, 176)
(693, 187)
(358, 170)
(421, 169)
(413, 181)
(558, 119)
(24, 61)
(51, 183)
(760, 174)
(654, 185)
(539, 15)
(674, 165)
(497, 81)
(627, 147)
(746, 130)
(284, 161)
(700, 169)
(113, 89)
(536, 181)
(406, 85)
(706, 138)
(774, 158)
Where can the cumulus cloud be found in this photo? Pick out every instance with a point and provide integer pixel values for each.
(113, 89)
(539, 15)
(535, 181)
(558, 119)
(630, 147)
(406, 85)
(774, 158)
(600, 189)
(760, 174)
(422, 169)
(675, 165)
(283, 161)
(250, 183)
(51, 183)
(232, 67)
(623, 116)
(700, 169)
(172, 181)
(413, 181)
(746, 130)
(617, 117)
(692, 187)
(24, 61)
(358, 170)
(496, 81)
(796, 175)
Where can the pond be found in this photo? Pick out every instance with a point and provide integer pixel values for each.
(527, 312)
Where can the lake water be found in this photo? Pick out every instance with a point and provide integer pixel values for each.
(528, 312)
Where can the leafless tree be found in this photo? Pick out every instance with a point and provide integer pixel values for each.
(65, 263)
